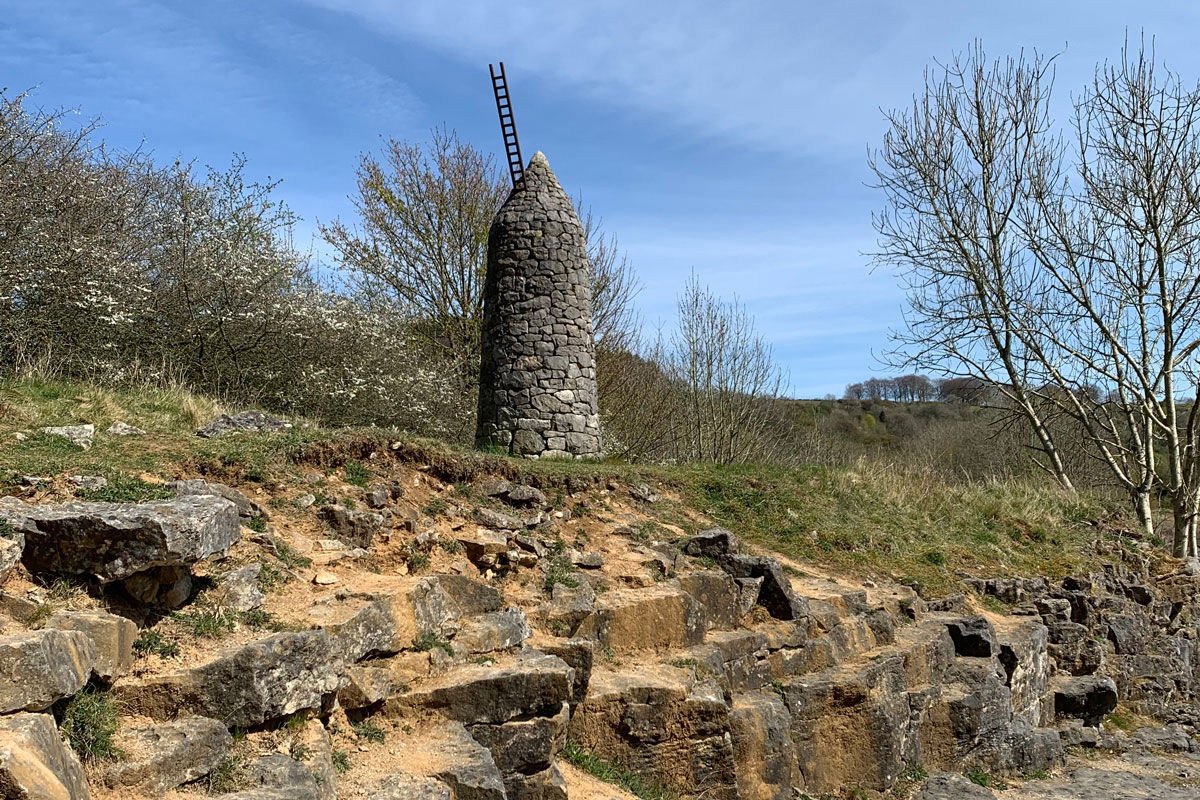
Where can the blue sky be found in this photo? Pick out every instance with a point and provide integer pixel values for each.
(728, 138)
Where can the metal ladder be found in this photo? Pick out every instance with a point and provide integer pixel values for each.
(512, 147)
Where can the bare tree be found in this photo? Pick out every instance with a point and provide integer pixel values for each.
(955, 169)
(728, 377)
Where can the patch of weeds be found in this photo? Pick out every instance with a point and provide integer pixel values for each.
(706, 562)
(278, 503)
(205, 624)
(299, 751)
(909, 780)
(462, 489)
(66, 590)
(257, 524)
(418, 559)
(683, 662)
(1038, 775)
(259, 620)
(7, 531)
(349, 504)
(450, 545)
(428, 640)
(436, 507)
(341, 761)
(995, 604)
(43, 612)
(227, 776)
(934, 558)
(89, 724)
(615, 773)
(1121, 719)
(795, 573)
(270, 578)
(369, 731)
(124, 489)
(290, 558)
(357, 474)
(560, 570)
(296, 720)
(153, 642)
(981, 777)
(778, 688)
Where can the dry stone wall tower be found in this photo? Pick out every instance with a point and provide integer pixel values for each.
(537, 382)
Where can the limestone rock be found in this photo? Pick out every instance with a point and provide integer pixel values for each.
(718, 596)
(972, 636)
(249, 685)
(498, 520)
(314, 749)
(161, 757)
(119, 428)
(358, 528)
(112, 638)
(79, 435)
(39, 668)
(712, 543)
(762, 746)
(12, 538)
(951, 786)
(89, 483)
(401, 786)
(521, 495)
(1085, 697)
(243, 422)
(247, 508)
(656, 617)
(238, 590)
(775, 594)
(35, 763)
(494, 694)
(579, 655)
(115, 541)
(487, 633)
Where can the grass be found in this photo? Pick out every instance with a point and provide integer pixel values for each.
(341, 761)
(289, 557)
(560, 570)
(428, 641)
(89, 724)
(205, 624)
(124, 489)
(153, 642)
(614, 773)
(228, 776)
(870, 519)
(369, 731)
(357, 474)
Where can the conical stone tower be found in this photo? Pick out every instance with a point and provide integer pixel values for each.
(537, 381)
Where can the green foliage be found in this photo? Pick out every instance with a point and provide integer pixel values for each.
(341, 761)
(436, 507)
(124, 489)
(289, 557)
(257, 524)
(152, 642)
(369, 731)
(7, 531)
(205, 623)
(428, 641)
(615, 773)
(228, 776)
(357, 474)
(89, 724)
(560, 570)
(270, 578)
(981, 777)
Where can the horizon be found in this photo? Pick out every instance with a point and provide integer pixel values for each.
(750, 170)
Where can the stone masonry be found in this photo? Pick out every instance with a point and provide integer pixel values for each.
(537, 383)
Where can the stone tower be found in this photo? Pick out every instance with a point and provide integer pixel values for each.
(537, 377)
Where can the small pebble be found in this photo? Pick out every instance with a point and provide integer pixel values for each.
(325, 579)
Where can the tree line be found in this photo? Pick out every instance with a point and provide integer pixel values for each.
(116, 268)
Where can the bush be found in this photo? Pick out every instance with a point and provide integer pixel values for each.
(89, 724)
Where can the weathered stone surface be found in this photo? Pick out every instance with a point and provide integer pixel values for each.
(712, 543)
(546, 785)
(498, 520)
(35, 763)
(238, 590)
(358, 528)
(115, 541)
(259, 681)
(160, 757)
(579, 655)
(1024, 656)
(247, 508)
(447, 754)
(973, 637)
(537, 388)
(525, 745)
(952, 786)
(243, 422)
(441, 603)
(401, 786)
(368, 625)
(1106, 784)
(718, 596)
(12, 539)
(762, 747)
(79, 435)
(661, 726)
(655, 617)
(112, 638)
(89, 483)
(1085, 697)
(521, 495)
(487, 633)
(314, 749)
(40, 668)
(531, 682)
(119, 428)
(776, 593)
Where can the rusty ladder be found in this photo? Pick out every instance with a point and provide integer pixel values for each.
(512, 147)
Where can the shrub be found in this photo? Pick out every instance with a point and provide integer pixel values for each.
(89, 724)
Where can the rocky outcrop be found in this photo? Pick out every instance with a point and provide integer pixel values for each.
(160, 757)
(112, 639)
(40, 668)
(249, 685)
(147, 546)
(35, 763)
(243, 422)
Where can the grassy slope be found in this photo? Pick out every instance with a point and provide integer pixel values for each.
(867, 521)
